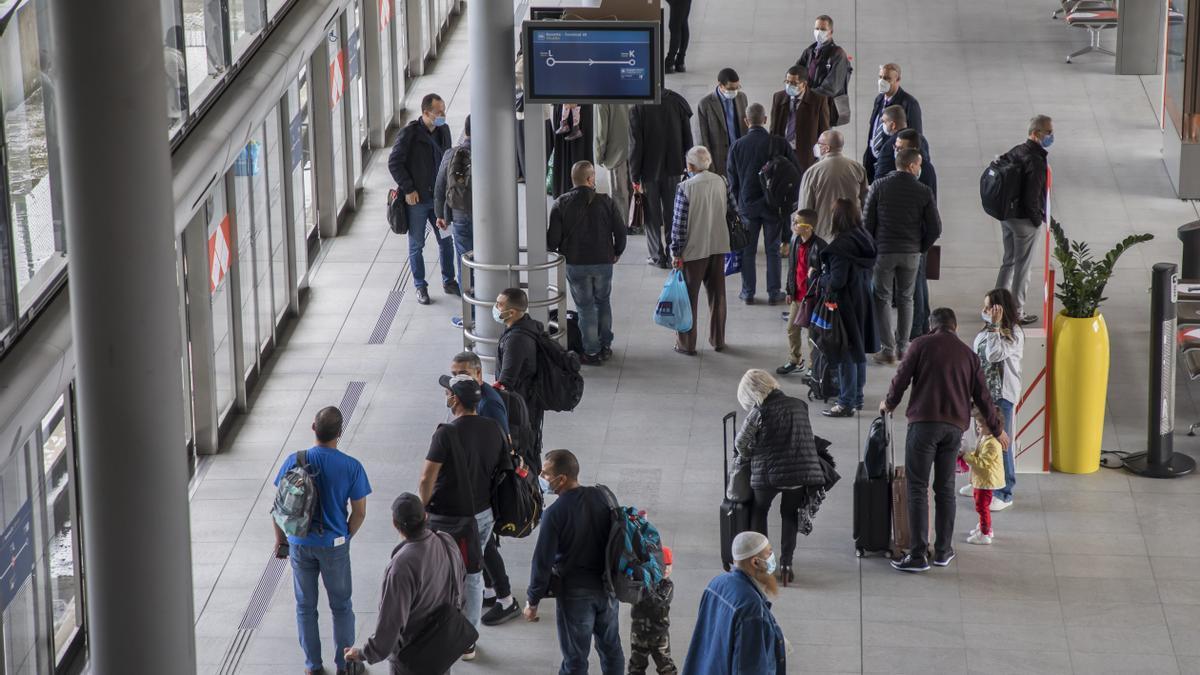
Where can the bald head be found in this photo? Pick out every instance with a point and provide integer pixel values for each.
(583, 174)
(834, 139)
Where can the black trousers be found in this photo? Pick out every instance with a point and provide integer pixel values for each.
(678, 23)
(660, 211)
(495, 576)
(789, 510)
(931, 446)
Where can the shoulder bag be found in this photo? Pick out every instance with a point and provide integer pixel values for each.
(444, 636)
(464, 529)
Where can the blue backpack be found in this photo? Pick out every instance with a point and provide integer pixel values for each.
(634, 553)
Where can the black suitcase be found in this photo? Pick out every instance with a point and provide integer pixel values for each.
(735, 516)
(873, 505)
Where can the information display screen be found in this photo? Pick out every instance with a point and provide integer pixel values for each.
(592, 61)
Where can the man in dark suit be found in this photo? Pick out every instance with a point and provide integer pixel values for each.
(896, 120)
(722, 118)
(890, 93)
(660, 135)
(746, 158)
(800, 115)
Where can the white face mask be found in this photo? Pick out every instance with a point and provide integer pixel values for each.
(729, 93)
(817, 151)
(821, 36)
(884, 86)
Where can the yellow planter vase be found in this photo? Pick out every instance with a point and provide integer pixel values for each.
(1080, 390)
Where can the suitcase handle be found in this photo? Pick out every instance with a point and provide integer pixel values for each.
(728, 428)
(891, 433)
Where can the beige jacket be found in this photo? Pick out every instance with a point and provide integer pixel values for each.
(834, 177)
(705, 233)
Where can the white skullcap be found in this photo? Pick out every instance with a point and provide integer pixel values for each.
(748, 544)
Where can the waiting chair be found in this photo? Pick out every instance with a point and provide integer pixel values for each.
(1187, 335)
(1096, 18)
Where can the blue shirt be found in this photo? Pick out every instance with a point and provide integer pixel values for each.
(340, 479)
(731, 126)
(491, 405)
(735, 631)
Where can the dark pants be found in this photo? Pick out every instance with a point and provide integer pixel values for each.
(420, 221)
(495, 576)
(678, 23)
(920, 320)
(710, 272)
(771, 229)
(789, 510)
(582, 614)
(852, 377)
(931, 445)
(660, 209)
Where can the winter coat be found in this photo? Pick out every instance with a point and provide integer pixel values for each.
(586, 228)
(815, 246)
(416, 156)
(901, 214)
(660, 135)
(782, 453)
(987, 464)
(1032, 158)
(846, 265)
(735, 632)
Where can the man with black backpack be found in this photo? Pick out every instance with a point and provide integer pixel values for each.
(313, 531)
(452, 195)
(569, 564)
(760, 152)
(1021, 173)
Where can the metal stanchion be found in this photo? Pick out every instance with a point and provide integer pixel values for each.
(555, 297)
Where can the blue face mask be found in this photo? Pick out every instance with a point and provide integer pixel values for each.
(545, 485)
(439, 121)
(496, 315)
(772, 563)
(792, 90)
(1048, 140)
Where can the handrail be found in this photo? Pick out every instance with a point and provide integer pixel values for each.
(554, 296)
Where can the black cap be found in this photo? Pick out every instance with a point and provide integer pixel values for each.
(407, 510)
(464, 387)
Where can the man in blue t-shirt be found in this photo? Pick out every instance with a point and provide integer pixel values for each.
(325, 552)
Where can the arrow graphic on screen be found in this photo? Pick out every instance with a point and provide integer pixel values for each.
(551, 62)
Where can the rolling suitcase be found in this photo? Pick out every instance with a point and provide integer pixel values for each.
(901, 528)
(735, 516)
(872, 505)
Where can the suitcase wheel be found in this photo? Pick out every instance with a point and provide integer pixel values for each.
(858, 553)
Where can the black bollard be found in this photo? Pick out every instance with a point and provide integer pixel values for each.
(1160, 460)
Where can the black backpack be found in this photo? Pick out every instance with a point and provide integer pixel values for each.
(1000, 187)
(520, 429)
(557, 385)
(458, 179)
(780, 184)
(516, 501)
(822, 378)
(875, 452)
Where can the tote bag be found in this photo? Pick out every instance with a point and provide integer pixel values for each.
(674, 309)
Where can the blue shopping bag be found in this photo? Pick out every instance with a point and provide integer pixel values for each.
(674, 309)
(733, 263)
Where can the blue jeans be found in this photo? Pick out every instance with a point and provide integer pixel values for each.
(581, 614)
(420, 221)
(473, 588)
(770, 230)
(1010, 461)
(332, 565)
(852, 378)
(464, 240)
(591, 286)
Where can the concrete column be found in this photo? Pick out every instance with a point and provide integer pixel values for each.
(493, 151)
(116, 186)
(1140, 34)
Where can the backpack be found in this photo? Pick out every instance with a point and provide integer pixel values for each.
(558, 384)
(458, 180)
(822, 378)
(1000, 187)
(516, 501)
(780, 184)
(633, 555)
(875, 452)
(295, 504)
(520, 428)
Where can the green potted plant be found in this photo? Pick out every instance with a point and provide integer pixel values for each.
(1079, 388)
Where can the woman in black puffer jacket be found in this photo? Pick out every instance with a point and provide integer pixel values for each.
(778, 440)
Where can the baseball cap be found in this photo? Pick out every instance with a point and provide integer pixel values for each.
(667, 557)
(408, 510)
(464, 387)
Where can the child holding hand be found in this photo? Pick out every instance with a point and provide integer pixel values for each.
(987, 474)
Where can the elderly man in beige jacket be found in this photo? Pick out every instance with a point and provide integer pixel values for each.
(833, 177)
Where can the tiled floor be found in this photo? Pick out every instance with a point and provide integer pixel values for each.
(1089, 574)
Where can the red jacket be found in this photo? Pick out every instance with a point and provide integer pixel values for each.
(946, 380)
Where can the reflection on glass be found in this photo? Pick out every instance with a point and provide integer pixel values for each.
(273, 7)
(204, 45)
(357, 81)
(25, 642)
(301, 175)
(246, 19)
(337, 95)
(60, 540)
(279, 290)
(246, 168)
(220, 251)
(37, 240)
(174, 44)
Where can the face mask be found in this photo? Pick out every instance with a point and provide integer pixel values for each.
(821, 35)
(918, 174)
(545, 485)
(771, 563)
(792, 90)
(690, 173)
(884, 86)
(496, 314)
(439, 121)
(817, 151)
(729, 94)
(987, 318)
(450, 402)
(1048, 140)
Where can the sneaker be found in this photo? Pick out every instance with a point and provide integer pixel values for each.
(776, 300)
(489, 597)
(838, 410)
(423, 295)
(967, 491)
(679, 66)
(979, 538)
(605, 353)
(748, 299)
(456, 321)
(789, 368)
(1028, 320)
(451, 288)
(669, 66)
(909, 563)
(884, 358)
(943, 559)
(975, 530)
(999, 504)
(470, 654)
(590, 359)
(498, 615)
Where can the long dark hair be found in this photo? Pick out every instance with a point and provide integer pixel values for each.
(1004, 298)
(846, 216)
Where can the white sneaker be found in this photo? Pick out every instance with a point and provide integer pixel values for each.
(979, 538)
(975, 530)
(967, 490)
(999, 505)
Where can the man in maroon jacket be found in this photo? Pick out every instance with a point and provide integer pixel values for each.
(946, 381)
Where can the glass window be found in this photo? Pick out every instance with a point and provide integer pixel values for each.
(246, 20)
(273, 7)
(174, 45)
(301, 159)
(357, 81)
(24, 625)
(337, 95)
(279, 289)
(204, 42)
(246, 167)
(386, 56)
(59, 492)
(38, 244)
(220, 253)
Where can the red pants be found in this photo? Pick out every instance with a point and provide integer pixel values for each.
(983, 506)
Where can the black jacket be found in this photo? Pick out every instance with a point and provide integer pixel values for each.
(1032, 156)
(660, 135)
(887, 164)
(901, 214)
(516, 357)
(912, 113)
(784, 455)
(746, 158)
(846, 266)
(829, 73)
(816, 245)
(586, 228)
(416, 156)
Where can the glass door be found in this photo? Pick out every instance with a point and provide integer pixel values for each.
(337, 97)
(277, 228)
(220, 255)
(60, 563)
(300, 154)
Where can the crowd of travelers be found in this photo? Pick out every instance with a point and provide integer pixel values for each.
(861, 239)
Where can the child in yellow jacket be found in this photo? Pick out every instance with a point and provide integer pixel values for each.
(987, 474)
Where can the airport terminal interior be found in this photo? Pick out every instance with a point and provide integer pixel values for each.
(293, 295)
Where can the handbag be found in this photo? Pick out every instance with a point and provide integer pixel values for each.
(444, 637)
(739, 236)
(831, 339)
(841, 103)
(933, 263)
(397, 215)
(637, 213)
(737, 487)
